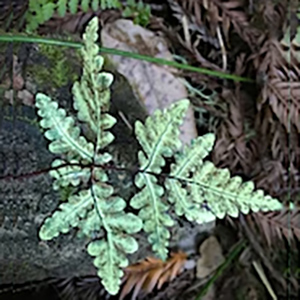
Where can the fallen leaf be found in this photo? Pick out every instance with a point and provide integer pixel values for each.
(155, 85)
(211, 257)
(145, 275)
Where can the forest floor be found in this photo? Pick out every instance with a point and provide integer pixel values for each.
(254, 113)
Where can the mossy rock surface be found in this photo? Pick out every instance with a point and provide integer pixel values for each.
(53, 67)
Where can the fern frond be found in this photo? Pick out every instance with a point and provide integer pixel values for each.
(61, 130)
(159, 137)
(111, 252)
(94, 210)
(226, 195)
(154, 214)
(92, 94)
(41, 11)
(199, 191)
(67, 216)
(109, 4)
(66, 174)
(186, 162)
(62, 7)
(208, 185)
(73, 6)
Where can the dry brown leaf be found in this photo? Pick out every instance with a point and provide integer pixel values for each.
(285, 223)
(223, 13)
(277, 119)
(155, 85)
(144, 276)
(282, 90)
(211, 257)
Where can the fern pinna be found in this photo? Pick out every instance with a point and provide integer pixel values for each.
(40, 11)
(191, 186)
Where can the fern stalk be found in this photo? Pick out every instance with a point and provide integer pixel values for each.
(160, 61)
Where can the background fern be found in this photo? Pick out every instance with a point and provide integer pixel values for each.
(40, 11)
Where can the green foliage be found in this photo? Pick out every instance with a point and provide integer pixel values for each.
(192, 184)
(138, 11)
(59, 68)
(95, 210)
(158, 142)
(40, 11)
(208, 185)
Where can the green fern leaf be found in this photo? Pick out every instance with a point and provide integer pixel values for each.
(66, 174)
(108, 4)
(159, 137)
(72, 173)
(41, 11)
(190, 158)
(154, 213)
(92, 94)
(94, 211)
(62, 7)
(95, 5)
(197, 189)
(85, 5)
(109, 260)
(67, 216)
(226, 195)
(186, 162)
(111, 252)
(48, 11)
(73, 6)
(65, 136)
(206, 184)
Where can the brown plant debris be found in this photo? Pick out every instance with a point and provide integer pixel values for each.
(285, 223)
(221, 15)
(145, 275)
(211, 257)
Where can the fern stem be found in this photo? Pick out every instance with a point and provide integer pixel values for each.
(35, 173)
(160, 61)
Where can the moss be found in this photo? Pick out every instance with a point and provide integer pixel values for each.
(66, 192)
(58, 67)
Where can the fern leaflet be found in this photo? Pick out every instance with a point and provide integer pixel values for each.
(199, 191)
